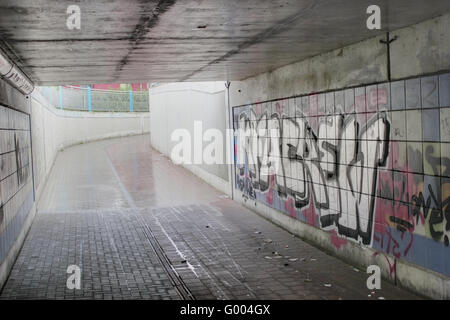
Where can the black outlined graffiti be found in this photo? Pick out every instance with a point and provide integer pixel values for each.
(437, 162)
(446, 212)
(438, 220)
(337, 167)
(21, 154)
(409, 210)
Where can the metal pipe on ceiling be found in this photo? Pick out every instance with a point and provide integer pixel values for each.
(13, 75)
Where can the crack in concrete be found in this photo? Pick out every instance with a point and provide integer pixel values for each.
(75, 40)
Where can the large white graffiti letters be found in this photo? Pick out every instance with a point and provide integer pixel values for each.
(337, 167)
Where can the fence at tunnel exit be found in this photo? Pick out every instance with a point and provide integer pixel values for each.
(95, 100)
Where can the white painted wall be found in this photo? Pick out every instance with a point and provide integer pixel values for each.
(53, 130)
(178, 105)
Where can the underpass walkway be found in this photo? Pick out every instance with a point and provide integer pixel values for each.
(140, 227)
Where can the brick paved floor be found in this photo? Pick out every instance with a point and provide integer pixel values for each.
(126, 215)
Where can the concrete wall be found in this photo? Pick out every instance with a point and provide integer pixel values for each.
(364, 167)
(54, 130)
(31, 134)
(17, 206)
(420, 49)
(177, 106)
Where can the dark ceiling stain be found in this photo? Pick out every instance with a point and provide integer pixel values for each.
(145, 40)
(8, 10)
(149, 19)
(49, 41)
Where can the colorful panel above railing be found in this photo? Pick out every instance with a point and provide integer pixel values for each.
(88, 99)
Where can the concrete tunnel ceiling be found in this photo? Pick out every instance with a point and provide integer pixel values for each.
(186, 40)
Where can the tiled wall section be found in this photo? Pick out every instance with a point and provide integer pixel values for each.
(16, 192)
(369, 164)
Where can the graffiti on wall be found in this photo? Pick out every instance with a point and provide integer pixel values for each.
(331, 169)
(1, 213)
(16, 191)
(21, 152)
(356, 163)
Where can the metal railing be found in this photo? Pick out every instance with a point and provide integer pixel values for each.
(88, 99)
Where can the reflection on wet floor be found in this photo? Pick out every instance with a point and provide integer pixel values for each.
(141, 227)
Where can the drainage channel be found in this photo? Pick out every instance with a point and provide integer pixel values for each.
(177, 281)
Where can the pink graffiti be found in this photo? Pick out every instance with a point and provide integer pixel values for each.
(392, 266)
(289, 207)
(310, 212)
(269, 194)
(336, 240)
